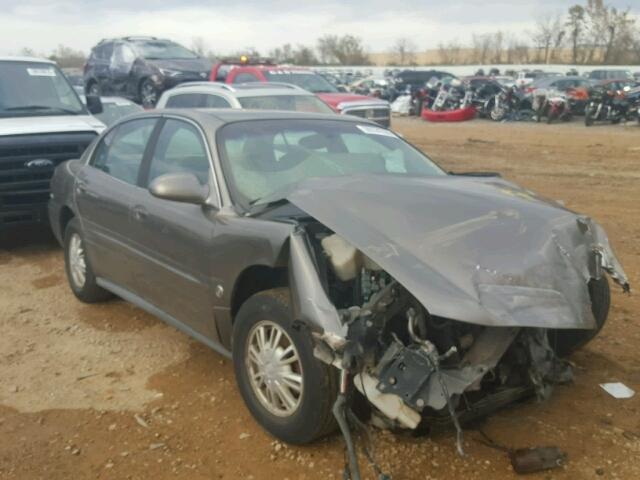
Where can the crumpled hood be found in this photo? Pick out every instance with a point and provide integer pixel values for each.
(50, 124)
(478, 250)
(184, 65)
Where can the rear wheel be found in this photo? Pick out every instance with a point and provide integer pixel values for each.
(78, 268)
(287, 390)
(564, 342)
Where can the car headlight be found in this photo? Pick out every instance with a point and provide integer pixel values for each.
(169, 73)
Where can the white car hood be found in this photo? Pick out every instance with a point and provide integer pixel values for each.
(50, 124)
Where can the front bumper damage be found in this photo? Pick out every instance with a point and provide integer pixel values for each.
(447, 315)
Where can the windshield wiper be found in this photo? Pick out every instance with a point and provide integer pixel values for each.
(42, 107)
(260, 204)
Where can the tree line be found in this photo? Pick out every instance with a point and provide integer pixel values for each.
(588, 33)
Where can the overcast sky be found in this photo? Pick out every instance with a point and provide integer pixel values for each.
(230, 25)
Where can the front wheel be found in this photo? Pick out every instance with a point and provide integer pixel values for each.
(588, 117)
(287, 390)
(148, 94)
(565, 342)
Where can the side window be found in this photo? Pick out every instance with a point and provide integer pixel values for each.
(180, 148)
(216, 101)
(104, 52)
(197, 100)
(245, 77)
(186, 100)
(123, 56)
(120, 152)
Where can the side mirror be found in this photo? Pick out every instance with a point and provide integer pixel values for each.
(179, 187)
(94, 104)
(342, 89)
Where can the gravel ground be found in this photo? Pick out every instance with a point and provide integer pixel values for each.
(107, 391)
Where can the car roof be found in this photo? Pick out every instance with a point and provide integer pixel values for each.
(239, 90)
(27, 59)
(217, 117)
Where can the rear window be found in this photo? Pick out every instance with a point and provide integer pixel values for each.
(306, 79)
(295, 103)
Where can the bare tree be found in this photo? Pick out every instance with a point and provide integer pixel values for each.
(67, 57)
(327, 46)
(345, 50)
(547, 36)
(481, 47)
(497, 45)
(576, 25)
(199, 46)
(449, 53)
(403, 51)
(304, 55)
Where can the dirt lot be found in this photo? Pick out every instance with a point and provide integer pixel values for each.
(108, 391)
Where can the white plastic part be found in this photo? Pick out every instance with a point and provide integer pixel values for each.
(345, 258)
(388, 403)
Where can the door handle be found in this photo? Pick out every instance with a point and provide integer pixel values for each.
(139, 213)
(81, 188)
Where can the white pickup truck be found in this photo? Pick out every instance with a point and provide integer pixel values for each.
(42, 123)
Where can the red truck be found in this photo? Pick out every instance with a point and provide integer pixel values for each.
(245, 71)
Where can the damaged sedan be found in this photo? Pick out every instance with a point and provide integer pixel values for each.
(333, 261)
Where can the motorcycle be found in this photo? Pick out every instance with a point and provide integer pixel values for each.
(605, 105)
(553, 105)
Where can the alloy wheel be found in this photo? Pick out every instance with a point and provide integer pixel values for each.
(77, 262)
(274, 369)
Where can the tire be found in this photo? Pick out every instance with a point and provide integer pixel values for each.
(93, 89)
(588, 119)
(312, 416)
(88, 290)
(564, 342)
(148, 94)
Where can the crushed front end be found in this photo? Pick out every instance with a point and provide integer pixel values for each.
(443, 316)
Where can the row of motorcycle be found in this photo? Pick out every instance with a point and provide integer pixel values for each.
(497, 102)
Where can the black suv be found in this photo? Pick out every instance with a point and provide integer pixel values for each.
(141, 68)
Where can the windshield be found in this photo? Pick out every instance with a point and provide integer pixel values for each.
(114, 111)
(36, 89)
(262, 158)
(158, 50)
(308, 80)
(296, 103)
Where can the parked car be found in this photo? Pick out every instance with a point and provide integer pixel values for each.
(76, 79)
(309, 247)
(115, 108)
(256, 96)
(247, 70)
(42, 124)
(411, 80)
(526, 78)
(141, 68)
(610, 74)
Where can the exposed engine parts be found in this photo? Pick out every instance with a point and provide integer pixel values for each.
(414, 368)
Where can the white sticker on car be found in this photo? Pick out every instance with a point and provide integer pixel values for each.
(369, 130)
(41, 72)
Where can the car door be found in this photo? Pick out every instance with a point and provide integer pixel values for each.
(120, 68)
(104, 192)
(173, 238)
